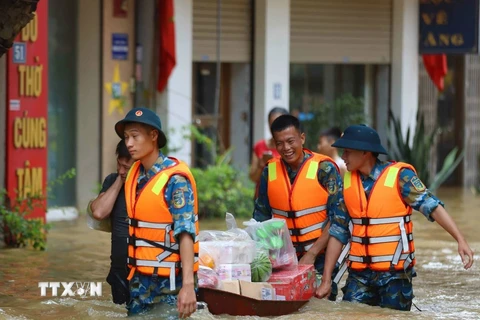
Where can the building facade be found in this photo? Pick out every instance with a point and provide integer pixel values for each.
(296, 54)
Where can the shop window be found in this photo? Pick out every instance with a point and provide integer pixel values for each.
(204, 118)
(324, 95)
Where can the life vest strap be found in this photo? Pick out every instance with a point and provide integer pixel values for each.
(401, 246)
(376, 221)
(151, 225)
(153, 263)
(376, 240)
(156, 264)
(303, 231)
(375, 259)
(299, 213)
(341, 272)
(343, 258)
(139, 242)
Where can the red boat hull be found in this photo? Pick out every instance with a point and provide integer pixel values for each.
(222, 302)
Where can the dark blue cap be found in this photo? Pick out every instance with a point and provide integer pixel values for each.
(145, 116)
(360, 137)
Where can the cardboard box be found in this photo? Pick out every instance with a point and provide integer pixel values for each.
(231, 286)
(257, 290)
(234, 272)
(296, 284)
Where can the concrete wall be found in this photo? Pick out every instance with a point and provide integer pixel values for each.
(111, 114)
(88, 101)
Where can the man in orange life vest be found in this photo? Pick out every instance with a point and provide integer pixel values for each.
(380, 197)
(162, 208)
(302, 187)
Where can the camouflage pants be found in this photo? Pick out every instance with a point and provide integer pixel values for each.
(385, 289)
(147, 293)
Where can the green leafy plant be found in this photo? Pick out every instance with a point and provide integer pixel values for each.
(417, 153)
(222, 188)
(345, 111)
(188, 132)
(19, 229)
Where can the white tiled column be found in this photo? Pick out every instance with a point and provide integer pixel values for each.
(272, 61)
(404, 89)
(175, 104)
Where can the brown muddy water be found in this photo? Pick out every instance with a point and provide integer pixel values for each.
(443, 290)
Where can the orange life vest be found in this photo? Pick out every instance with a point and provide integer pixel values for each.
(152, 249)
(382, 237)
(302, 204)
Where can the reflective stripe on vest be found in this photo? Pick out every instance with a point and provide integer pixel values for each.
(143, 243)
(300, 213)
(387, 258)
(367, 240)
(377, 221)
(142, 224)
(301, 232)
(159, 264)
(307, 247)
(151, 225)
(343, 258)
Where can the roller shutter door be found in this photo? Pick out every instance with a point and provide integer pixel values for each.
(341, 31)
(235, 30)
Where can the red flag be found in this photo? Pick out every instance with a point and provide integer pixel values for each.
(167, 54)
(436, 66)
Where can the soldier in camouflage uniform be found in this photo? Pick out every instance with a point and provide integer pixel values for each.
(327, 176)
(140, 128)
(392, 288)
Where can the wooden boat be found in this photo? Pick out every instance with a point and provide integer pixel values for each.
(223, 302)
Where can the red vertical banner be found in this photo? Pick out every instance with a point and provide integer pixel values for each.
(27, 111)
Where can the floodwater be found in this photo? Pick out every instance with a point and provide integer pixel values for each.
(443, 289)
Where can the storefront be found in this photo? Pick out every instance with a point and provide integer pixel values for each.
(451, 29)
(103, 59)
(26, 101)
(337, 49)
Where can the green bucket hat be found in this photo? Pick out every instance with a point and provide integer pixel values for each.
(145, 116)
